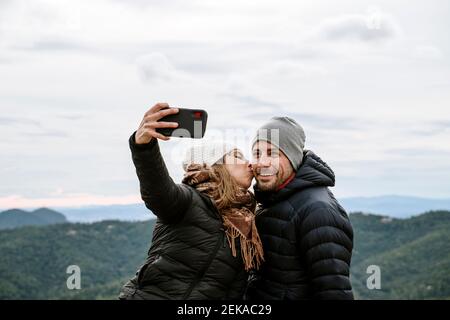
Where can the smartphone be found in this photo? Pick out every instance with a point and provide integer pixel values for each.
(191, 124)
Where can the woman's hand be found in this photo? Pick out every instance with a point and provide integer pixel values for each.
(149, 124)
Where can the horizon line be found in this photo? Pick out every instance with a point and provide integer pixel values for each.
(77, 201)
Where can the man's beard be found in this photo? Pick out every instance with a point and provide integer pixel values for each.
(272, 185)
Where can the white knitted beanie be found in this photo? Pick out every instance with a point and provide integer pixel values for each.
(208, 153)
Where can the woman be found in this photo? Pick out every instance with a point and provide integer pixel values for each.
(205, 240)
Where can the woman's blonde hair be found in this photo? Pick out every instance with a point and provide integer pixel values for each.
(227, 185)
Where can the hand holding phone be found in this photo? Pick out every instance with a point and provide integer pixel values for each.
(151, 123)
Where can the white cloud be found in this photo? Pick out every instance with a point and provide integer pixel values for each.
(22, 22)
(155, 66)
(291, 70)
(360, 84)
(374, 26)
(428, 52)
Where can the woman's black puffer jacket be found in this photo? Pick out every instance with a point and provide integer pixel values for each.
(189, 257)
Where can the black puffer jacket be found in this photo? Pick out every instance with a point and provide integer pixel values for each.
(307, 239)
(189, 257)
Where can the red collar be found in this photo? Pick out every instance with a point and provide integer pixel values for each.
(286, 182)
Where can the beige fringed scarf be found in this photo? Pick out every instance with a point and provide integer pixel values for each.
(238, 219)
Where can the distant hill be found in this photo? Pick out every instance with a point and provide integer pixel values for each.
(394, 206)
(126, 212)
(15, 218)
(413, 255)
(34, 260)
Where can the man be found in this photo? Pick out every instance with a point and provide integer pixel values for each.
(306, 235)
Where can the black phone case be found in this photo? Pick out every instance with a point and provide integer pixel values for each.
(191, 124)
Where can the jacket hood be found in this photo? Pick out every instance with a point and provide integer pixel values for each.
(313, 172)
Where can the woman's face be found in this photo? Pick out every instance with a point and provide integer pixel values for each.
(239, 168)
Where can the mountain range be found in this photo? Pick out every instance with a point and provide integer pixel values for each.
(413, 256)
(392, 206)
(15, 218)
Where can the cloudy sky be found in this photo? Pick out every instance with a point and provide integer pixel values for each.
(368, 80)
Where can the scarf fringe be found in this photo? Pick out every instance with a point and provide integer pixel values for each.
(251, 249)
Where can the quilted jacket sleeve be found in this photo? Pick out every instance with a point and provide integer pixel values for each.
(167, 200)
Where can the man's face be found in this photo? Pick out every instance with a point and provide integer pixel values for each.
(270, 165)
